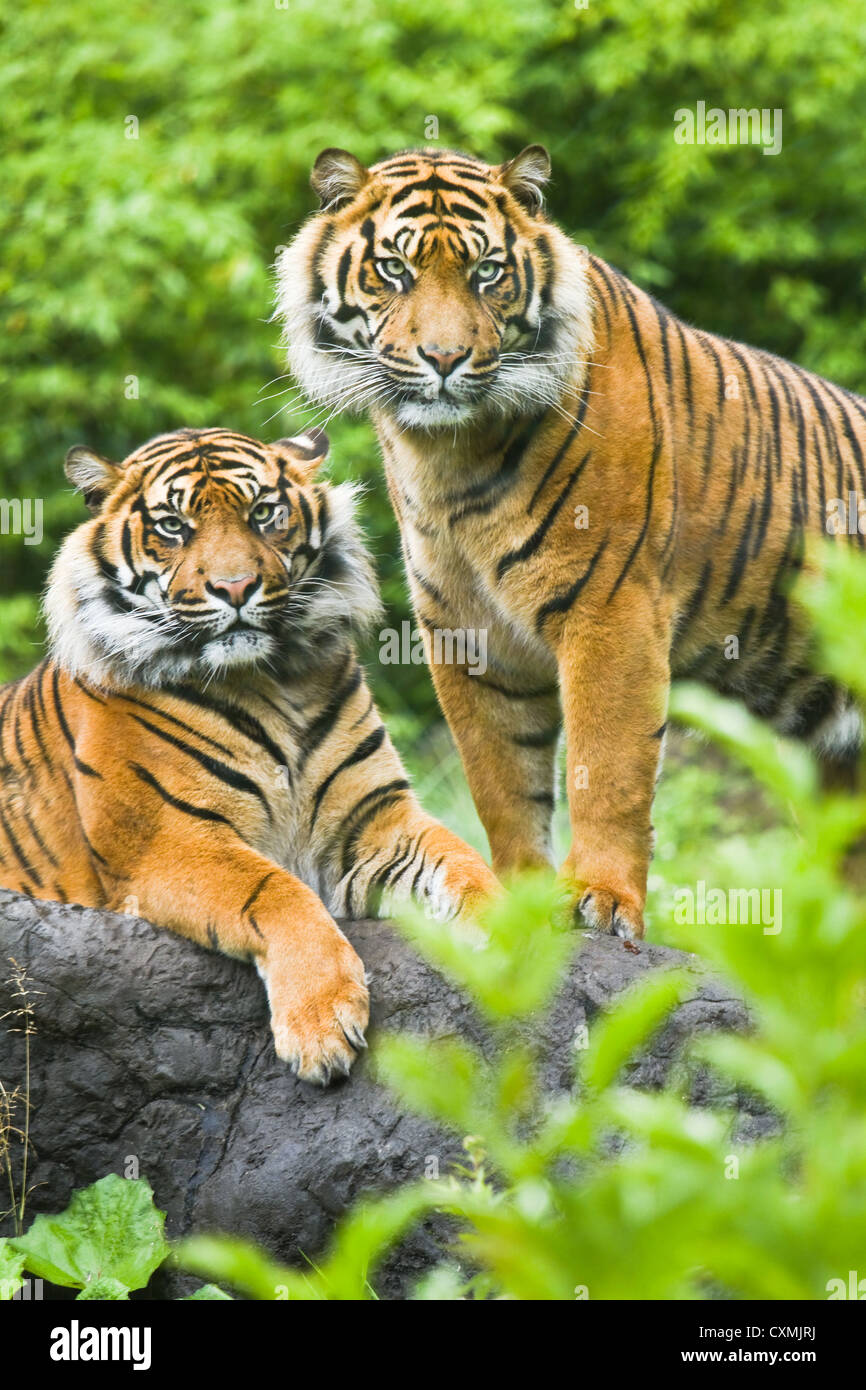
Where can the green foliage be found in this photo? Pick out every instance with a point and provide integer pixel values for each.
(11, 1271)
(107, 1242)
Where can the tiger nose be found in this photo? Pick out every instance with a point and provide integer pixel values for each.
(443, 360)
(234, 591)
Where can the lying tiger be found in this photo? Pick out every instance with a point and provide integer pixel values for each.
(202, 744)
(608, 493)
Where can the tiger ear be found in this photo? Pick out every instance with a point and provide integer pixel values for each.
(306, 452)
(337, 176)
(525, 176)
(91, 474)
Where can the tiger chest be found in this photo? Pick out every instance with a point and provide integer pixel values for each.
(452, 574)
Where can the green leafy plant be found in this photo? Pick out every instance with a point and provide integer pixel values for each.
(11, 1271)
(108, 1242)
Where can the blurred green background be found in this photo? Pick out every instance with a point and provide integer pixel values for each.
(150, 258)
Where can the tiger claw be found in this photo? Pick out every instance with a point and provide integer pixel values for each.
(602, 911)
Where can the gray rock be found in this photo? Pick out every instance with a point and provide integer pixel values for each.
(149, 1049)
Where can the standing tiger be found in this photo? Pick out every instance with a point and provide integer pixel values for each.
(201, 745)
(609, 492)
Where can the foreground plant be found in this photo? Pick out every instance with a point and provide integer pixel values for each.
(108, 1242)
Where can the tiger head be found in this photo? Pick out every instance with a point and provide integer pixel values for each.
(207, 552)
(432, 287)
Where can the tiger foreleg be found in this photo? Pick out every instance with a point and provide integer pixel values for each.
(506, 732)
(614, 680)
(218, 891)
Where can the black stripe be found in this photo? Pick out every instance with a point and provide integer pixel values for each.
(544, 799)
(240, 719)
(741, 555)
(83, 767)
(324, 722)
(256, 891)
(564, 600)
(744, 363)
(484, 496)
(170, 718)
(221, 771)
(687, 374)
(530, 545)
(543, 738)
(200, 812)
(436, 184)
(91, 694)
(657, 447)
(428, 586)
(34, 831)
(343, 265)
(542, 692)
(362, 813)
(663, 317)
(30, 703)
(695, 600)
(708, 345)
(365, 749)
(401, 863)
(18, 851)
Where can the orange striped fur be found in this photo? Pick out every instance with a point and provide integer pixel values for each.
(201, 747)
(610, 493)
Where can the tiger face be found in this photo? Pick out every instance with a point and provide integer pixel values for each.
(207, 552)
(432, 287)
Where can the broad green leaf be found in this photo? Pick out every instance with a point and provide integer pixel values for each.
(110, 1230)
(104, 1289)
(11, 1266)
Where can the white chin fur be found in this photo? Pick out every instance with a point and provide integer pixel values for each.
(434, 414)
(239, 648)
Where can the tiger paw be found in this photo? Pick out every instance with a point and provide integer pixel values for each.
(479, 889)
(602, 910)
(461, 888)
(320, 1008)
